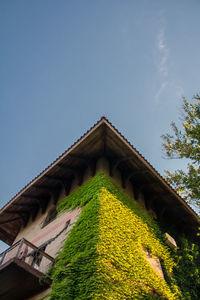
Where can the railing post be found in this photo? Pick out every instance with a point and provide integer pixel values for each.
(20, 246)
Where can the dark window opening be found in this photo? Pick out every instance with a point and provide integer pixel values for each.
(67, 224)
(50, 217)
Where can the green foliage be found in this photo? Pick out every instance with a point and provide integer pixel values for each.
(103, 256)
(185, 143)
(187, 269)
(91, 189)
(74, 272)
(125, 241)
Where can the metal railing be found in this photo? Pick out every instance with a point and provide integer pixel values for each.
(30, 254)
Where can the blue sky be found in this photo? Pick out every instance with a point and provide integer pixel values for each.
(64, 64)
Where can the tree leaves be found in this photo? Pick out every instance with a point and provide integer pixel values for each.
(185, 143)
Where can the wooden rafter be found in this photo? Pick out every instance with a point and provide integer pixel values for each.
(10, 220)
(16, 211)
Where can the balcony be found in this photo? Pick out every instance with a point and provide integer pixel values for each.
(21, 267)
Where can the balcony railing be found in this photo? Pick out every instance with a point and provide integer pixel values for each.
(25, 251)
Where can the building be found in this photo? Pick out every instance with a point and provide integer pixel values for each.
(30, 225)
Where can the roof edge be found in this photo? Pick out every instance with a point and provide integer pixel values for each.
(42, 173)
(103, 120)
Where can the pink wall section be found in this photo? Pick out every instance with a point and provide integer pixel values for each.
(64, 220)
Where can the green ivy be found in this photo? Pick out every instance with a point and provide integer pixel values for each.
(187, 269)
(86, 192)
(76, 274)
(186, 273)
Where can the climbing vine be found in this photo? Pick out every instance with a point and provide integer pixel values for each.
(74, 272)
(104, 256)
(187, 268)
(126, 274)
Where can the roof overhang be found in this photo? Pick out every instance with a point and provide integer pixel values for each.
(103, 139)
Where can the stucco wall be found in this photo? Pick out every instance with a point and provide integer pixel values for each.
(37, 235)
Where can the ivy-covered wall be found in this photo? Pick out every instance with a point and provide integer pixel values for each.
(104, 254)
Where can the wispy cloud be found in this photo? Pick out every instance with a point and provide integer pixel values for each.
(162, 58)
(163, 52)
(167, 87)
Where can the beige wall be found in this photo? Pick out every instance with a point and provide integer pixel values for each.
(37, 235)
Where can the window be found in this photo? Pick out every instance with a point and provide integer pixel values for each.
(50, 217)
(67, 224)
